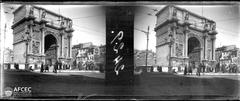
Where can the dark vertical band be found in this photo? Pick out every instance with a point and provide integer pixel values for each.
(119, 45)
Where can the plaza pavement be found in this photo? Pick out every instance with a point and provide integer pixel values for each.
(146, 86)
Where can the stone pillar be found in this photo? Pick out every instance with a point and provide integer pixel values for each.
(61, 43)
(174, 29)
(170, 39)
(43, 39)
(186, 31)
(205, 47)
(31, 34)
(43, 22)
(186, 42)
(213, 47)
(70, 47)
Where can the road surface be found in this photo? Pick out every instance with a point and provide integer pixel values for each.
(73, 85)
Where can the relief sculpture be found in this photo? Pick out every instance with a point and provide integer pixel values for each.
(179, 50)
(35, 47)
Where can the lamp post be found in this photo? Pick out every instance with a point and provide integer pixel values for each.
(147, 33)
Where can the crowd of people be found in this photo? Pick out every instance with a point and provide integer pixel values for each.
(227, 68)
(88, 65)
(205, 68)
(55, 67)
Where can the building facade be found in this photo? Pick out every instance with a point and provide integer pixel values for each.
(184, 38)
(40, 35)
(87, 52)
(228, 54)
(84, 52)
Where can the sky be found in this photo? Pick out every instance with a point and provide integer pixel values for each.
(89, 22)
(227, 18)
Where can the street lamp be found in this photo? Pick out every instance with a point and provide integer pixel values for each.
(28, 38)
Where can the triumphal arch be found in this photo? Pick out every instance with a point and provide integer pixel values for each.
(184, 38)
(40, 36)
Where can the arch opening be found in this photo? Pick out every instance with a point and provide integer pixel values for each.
(50, 49)
(194, 51)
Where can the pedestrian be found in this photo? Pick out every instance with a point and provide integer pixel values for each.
(55, 67)
(185, 70)
(199, 69)
(217, 67)
(46, 68)
(203, 67)
(159, 68)
(42, 67)
(80, 67)
(190, 68)
(59, 66)
(30, 68)
(15, 65)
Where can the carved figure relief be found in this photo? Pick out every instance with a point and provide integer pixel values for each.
(43, 14)
(174, 13)
(179, 50)
(31, 12)
(186, 17)
(214, 26)
(205, 26)
(179, 37)
(62, 23)
(70, 24)
(35, 47)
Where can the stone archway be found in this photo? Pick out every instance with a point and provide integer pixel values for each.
(50, 49)
(194, 51)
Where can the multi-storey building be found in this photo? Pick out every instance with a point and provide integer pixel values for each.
(84, 52)
(227, 54)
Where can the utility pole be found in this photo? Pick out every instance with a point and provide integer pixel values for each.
(147, 33)
(2, 57)
(147, 46)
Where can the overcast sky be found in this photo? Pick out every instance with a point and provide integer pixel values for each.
(89, 22)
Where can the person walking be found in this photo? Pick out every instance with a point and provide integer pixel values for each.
(46, 69)
(199, 69)
(42, 67)
(203, 67)
(55, 66)
(190, 68)
(185, 70)
(30, 68)
(59, 65)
